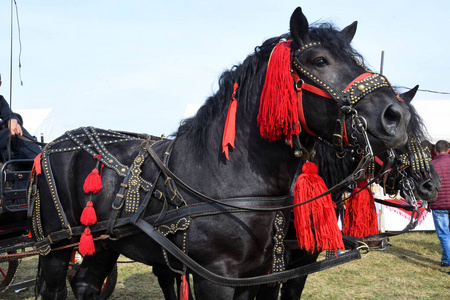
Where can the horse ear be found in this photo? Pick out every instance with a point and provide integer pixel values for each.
(299, 28)
(349, 31)
(409, 95)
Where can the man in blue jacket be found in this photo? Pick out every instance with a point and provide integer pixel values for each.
(441, 206)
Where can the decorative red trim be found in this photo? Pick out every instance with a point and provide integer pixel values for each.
(360, 77)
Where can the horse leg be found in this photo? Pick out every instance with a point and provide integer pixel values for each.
(293, 288)
(205, 289)
(87, 282)
(166, 280)
(52, 270)
(268, 291)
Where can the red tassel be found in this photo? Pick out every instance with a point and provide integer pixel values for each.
(184, 289)
(230, 124)
(37, 164)
(360, 215)
(88, 216)
(93, 183)
(278, 111)
(30, 235)
(319, 213)
(87, 246)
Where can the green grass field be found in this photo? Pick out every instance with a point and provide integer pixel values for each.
(409, 269)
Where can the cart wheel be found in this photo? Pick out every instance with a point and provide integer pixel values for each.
(108, 285)
(8, 270)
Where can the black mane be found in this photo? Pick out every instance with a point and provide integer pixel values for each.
(250, 76)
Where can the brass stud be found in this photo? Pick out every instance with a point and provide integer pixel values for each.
(361, 87)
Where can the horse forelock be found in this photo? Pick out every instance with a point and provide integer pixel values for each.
(332, 39)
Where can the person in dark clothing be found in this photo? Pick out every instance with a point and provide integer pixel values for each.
(12, 128)
(441, 206)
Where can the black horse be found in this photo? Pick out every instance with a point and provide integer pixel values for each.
(411, 162)
(334, 169)
(234, 243)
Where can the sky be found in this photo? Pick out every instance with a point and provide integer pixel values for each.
(136, 65)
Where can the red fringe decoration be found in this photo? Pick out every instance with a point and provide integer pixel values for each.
(88, 216)
(230, 124)
(360, 215)
(93, 183)
(87, 246)
(37, 164)
(184, 289)
(319, 213)
(278, 111)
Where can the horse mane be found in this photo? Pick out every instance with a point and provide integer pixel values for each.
(250, 76)
(416, 126)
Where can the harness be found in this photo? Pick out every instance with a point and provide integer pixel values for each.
(167, 221)
(361, 86)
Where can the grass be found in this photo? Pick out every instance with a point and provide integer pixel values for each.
(409, 269)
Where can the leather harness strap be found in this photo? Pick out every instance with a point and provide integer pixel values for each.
(166, 244)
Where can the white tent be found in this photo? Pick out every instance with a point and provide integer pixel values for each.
(41, 123)
(436, 115)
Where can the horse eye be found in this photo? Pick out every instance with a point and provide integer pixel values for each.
(320, 62)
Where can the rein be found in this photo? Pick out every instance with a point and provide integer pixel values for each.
(353, 178)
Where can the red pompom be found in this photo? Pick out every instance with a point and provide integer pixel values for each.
(93, 183)
(88, 216)
(361, 218)
(184, 289)
(315, 221)
(278, 110)
(87, 246)
(310, 168)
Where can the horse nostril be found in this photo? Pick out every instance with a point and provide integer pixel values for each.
(391, 118)
(426, 186)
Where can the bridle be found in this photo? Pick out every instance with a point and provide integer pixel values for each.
(361, 86)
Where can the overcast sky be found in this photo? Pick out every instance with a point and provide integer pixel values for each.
(136, 65)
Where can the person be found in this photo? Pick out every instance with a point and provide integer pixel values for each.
(12, 127)
(441, 206)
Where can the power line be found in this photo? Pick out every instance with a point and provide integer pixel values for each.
(426, 91)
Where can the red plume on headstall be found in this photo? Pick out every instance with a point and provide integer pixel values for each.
(230, 124)
(360, 214)
(278, 112)
(318, 214)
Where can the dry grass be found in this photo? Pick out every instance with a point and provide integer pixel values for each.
(408, 270)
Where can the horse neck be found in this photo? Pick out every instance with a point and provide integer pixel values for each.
(255, 166)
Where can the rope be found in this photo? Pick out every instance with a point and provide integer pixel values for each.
(36, 252)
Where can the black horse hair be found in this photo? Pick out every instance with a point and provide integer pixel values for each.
(249, 73)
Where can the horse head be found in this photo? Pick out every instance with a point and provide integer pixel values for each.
(412, 167)
(360, 99)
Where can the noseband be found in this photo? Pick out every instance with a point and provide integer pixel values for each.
(361, 86)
